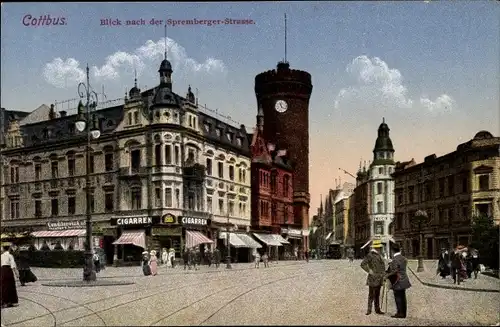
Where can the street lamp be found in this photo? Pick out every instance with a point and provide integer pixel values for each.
(228, 235)
(84, 122)
(420, 218)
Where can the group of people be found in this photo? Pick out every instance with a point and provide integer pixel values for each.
(460, 263)
(10, 270)
(150, 261)
(395, 273)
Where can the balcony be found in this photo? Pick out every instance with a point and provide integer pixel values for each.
(54, 184)
(14, 189)
(71, 182)
(231, 189)
(131, 172)
(210, 183)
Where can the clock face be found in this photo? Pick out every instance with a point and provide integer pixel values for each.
(281, 106)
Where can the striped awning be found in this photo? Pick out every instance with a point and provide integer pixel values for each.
(280, 239)
(194, 238)
(60, 233)
(249, 241)
(233, 239)
(135, 237)
(268, 239)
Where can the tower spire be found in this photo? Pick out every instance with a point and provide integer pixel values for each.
(165, 41)
(135, 77)
(285, 39)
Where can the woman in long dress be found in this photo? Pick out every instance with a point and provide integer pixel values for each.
(8, 282)
(153, 263)
(25, 273)
(145, 264)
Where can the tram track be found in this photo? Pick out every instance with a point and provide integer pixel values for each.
(157, 322)
(50, 312)
(162, 289)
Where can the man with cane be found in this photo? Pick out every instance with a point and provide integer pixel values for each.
(374, 265)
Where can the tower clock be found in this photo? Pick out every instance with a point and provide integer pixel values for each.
(284, 95)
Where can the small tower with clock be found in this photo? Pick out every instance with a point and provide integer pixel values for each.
(284, 95)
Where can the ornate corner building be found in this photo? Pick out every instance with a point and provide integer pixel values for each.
(451, 189)
(161, 170)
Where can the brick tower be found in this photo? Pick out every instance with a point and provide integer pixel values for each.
(284, 95)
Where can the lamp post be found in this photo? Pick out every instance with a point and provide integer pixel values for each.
(85, 122)
(228, 235)
(420, 218)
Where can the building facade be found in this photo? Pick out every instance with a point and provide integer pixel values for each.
(451, 189)
(272, 193)
(381, 184)
(163, 173)
(341, 234)
(361, 209)
(284, 95)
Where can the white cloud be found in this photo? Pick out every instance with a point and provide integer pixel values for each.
(442, 103)
(374, 81)
(67, 73)
(61, 72)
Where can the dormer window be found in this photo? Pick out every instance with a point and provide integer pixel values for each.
(239, 141)
(207, 127)
(219, 132)
(229, 136)
(167, 114)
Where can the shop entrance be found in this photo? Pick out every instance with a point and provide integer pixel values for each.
(109, 248)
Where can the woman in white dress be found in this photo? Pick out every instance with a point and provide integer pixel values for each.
(164, 256)
(171, 258)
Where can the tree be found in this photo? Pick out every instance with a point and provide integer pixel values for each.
(485, 236)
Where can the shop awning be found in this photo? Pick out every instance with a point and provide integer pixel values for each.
(60, 233)
(249, 241)
(233, 239)
(194, 238)
(136, 237)
(280, 239)
(328, 236)
(268, 239)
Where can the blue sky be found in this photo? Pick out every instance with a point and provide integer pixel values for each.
(431, 69)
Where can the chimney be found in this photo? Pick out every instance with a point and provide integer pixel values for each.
(52, 112)
(63, 113)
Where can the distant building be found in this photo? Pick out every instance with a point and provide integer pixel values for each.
(451, 189)
(341, 232)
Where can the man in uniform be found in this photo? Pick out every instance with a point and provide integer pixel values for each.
(374, 265)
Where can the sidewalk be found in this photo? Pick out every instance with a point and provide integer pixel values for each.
(428, 277)
(53, 274)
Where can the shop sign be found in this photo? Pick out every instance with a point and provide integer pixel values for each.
(292, 232)
(133, 221)
(64, 225)
(194, 221)
(168, 219)
(158, 231)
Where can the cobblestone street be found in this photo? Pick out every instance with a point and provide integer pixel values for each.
(289, 293)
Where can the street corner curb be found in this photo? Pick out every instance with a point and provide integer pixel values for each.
(81, 283)
(484, 290)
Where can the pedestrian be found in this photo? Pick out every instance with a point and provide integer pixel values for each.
(396, 273)
(296, 254)
(171, 257)
(444, 264)
(307, 255)
(256, 258)
(475, 262)
(164, 257)
(197, 259)
(350, 255)
(208, 256)
(374, 265)
(185, 259)
(8, 281)
(25, 273)
(265, 259)
(97, 261)
(217, 258)
(146, 269)
(153, 263)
